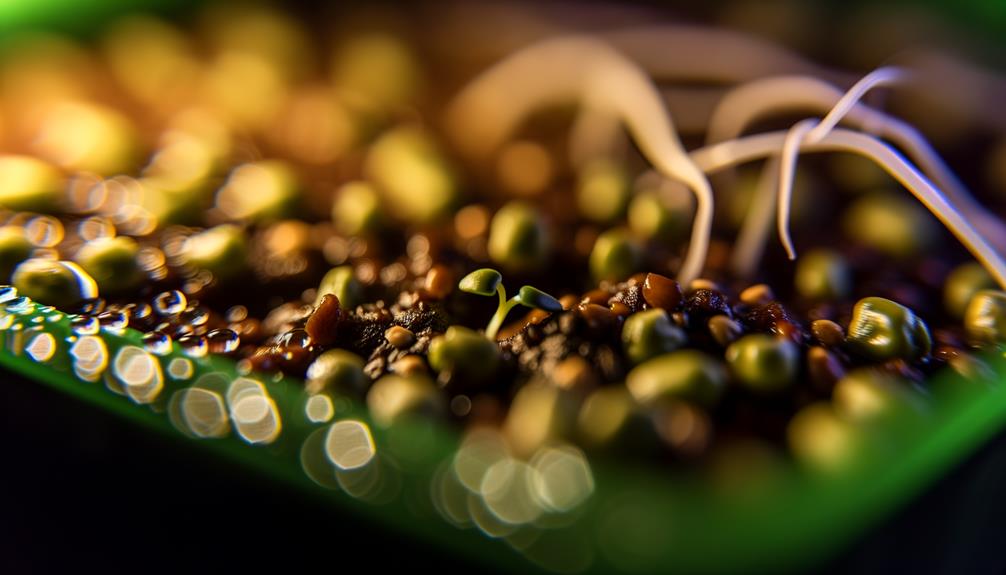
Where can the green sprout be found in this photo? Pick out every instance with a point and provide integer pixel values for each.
(487, 281)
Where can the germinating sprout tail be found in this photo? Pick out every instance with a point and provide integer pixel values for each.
(733, 152)
(811, 130)
(751, 101)
(591, 72)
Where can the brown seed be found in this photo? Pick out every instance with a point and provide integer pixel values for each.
(569, 301)
(661, 292)
(828, 333)
(620, 309)
(758, 294)
(399, 337)
(595, 296)
(724, 330)
(824, 368)
(323, 323)
(409, 365)
(703, 284)
(598, 317)
(574, 374)
(439, 282)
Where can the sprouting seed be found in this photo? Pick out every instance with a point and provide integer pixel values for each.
(487, 281)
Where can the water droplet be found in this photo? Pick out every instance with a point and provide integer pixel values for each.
(90, 357)
(94, 228)
(92, 306)
(114, 321)
(7, 293)
(140, 314)
(171, 302)
(195, 316)
(193, 345)
(139, 372)
(236, 314)
(84, 325)
(21, 305)
(157, 343)
(180, 368)
(223, 340)
(42, 347)
(294, 338)
(44, 231)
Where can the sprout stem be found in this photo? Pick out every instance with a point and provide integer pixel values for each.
(501, 312)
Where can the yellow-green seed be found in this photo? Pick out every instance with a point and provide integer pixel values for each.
(394, 398)
(465, 354)
(823, 275)
(337, 371)
(341, 283)
(52, 282)
(881, 330)
(651, 218)
(650, 333)
(867, 396)
(686, 374)
(616, 255)
(264, 190)
(29, 184)
(408, 167)
(892, 224)
(221, 250)
(824, 442)
(962, 284)
(112, 262)
(602, 192)
(357, 208)
(14, 249)
(985, 318)
(518, 237)
(763, 363)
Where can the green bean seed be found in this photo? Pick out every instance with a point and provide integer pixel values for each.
(650, 333)
(763, 363)
(518, 237)
(823, 275)
(14, 249)
(342, 283)
(962, 284)
(882, 329)
(57, 283)
(985, 318)
(686, 374)
(337, 371)
(616, 255)
(464, 353)
(112, 262)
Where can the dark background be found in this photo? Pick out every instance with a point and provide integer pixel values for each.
(80, 488)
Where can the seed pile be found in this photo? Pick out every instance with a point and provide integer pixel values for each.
(311, 225)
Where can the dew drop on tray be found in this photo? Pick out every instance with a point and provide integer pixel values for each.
(170, 303)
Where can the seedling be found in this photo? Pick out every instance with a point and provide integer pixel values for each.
(487, 281)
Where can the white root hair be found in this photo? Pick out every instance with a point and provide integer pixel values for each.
(580, 68)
